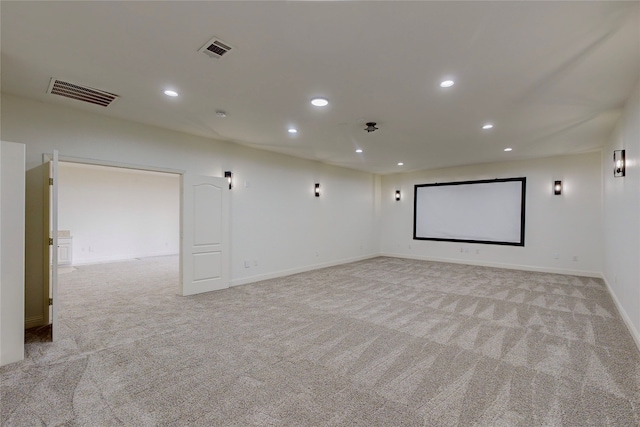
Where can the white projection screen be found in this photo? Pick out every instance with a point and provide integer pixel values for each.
(488, 211)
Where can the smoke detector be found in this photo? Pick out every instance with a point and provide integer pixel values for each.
(215, 48)
(371, 126)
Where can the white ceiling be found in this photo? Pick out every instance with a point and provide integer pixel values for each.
(551, 76)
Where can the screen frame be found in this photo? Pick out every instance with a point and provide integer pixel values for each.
(523, 181)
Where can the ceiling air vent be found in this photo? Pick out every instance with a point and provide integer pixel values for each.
(81, 93)
(215, 48)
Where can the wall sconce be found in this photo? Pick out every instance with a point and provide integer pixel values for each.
(229, 175)
(317, 190)
(557, 188)
(618, 163)
(397, 195)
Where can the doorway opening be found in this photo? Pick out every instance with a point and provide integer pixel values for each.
(203, 235)
(111, 219)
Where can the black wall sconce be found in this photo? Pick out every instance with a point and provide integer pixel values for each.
(398, 195)
(229, 175)
(618, 163)
(557, 188)
(317, 190)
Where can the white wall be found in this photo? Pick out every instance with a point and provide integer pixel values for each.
(279, 222)
(12, 184)
(276, 222)
(569, 225)
(622, 215)
(116, 213)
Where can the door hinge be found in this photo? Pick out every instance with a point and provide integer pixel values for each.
(50, 181)
(50, 301)
(50, 241)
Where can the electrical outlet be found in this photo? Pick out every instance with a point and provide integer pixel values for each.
(575, 258)
(255, 262)
(247, 264)
(556, 256)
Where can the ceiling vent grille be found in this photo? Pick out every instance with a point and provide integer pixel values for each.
(215, 48)
(81, 93)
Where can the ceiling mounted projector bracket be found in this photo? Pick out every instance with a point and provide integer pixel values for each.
(371, 126)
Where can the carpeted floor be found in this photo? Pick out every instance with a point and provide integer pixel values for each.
(382, 342)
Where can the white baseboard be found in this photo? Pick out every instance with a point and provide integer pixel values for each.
(289, 272)
(117, 258)
(595, 274)
(283, 273)
(627, 320)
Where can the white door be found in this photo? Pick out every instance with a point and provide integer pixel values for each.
(204, 261)
(53, 242)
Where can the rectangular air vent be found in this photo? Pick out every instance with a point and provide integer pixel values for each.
(81, 93)
(215, 48)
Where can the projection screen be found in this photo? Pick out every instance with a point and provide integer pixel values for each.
(487, 211)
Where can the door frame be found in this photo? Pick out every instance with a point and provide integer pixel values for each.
(48, 157)
(51, 220)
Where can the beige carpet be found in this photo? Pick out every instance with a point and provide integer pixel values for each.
(382, 342)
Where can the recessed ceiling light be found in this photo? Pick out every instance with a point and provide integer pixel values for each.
(221, 114)
(487, 126)
(170, 92)
(447, 83)
(400, 164)
(320, 102)
(292, 130)
(508, 149)
(359, 150)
